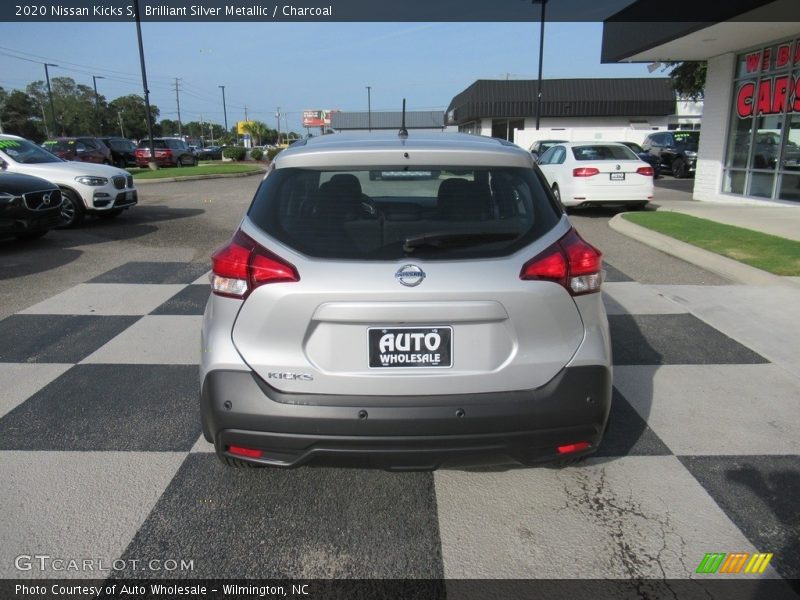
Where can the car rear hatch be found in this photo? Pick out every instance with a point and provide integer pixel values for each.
(383, 306)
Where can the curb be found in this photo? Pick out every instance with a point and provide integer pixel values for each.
(716, 263)
(197, 177)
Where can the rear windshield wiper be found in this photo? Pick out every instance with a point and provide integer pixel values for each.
(456, 240)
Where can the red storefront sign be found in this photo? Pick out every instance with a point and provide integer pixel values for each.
(770, 95)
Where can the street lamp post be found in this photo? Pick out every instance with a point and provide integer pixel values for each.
(97, 103)
(152, 164)
(50, 96)
(541, 55)
(224, 108)
(369, 107)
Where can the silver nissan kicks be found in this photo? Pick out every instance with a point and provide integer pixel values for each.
(406, 302)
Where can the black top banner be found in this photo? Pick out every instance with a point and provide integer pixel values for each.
(396, 10)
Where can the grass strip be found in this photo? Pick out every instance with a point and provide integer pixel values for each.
(771, 253)
(215, 169)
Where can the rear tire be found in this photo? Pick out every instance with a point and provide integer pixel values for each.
(238, 464)
(72, 212)
(679, 169)
(638, 206)
(557, 194)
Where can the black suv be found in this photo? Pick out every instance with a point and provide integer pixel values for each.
(122, 151)
(676, 151)
(29, 206)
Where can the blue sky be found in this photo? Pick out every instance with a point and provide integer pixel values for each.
(301, 66)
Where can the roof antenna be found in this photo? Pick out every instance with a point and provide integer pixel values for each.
(403, 133)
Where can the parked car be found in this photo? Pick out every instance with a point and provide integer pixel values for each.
(541, 146)
(210, 153)
(675, 151)
(407, 323)
(83, 149)
(86, 189)
(170, 152)
(597, 173)
(29, 206)
(645, 156)
(122, 151)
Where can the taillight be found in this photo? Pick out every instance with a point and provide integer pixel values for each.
(570, 262)
(248, 452)
(585, 172)
(648, 171)
(243, 264)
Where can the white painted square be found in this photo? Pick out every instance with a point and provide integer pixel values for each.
(202, 446)
(633, 298)
(203, 279)
(154, 339)
(632, 517)
(106, 299)
(716, 409)
(77, 504)
(19, 381)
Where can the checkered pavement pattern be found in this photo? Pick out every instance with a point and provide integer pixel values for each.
(101, 454)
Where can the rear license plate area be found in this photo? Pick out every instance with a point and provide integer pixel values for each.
(617, 176)
(418, 347)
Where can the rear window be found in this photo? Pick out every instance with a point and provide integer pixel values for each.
(603, 152)
(393, 213)
(688, 139)
(156, 144)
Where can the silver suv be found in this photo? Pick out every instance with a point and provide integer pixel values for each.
(450, 316)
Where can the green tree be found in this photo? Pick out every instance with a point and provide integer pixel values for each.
(130, 110)
(168, 127)
(688, 78)
(74, 104)
(258, 130)
(21, 115)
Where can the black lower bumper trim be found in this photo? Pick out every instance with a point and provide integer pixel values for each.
(523, 426)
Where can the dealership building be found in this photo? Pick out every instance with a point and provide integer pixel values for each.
(622, 109)
(750, 140)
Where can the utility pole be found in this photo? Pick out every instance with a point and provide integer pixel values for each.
(152, 162)
(369, 108)
(541, 55)
(224, 110)
(245, 113)
(202, 132)
(119, 120)
(50, 95)
(278, 116)
(44, 120)
(97, 103)
(178, 102)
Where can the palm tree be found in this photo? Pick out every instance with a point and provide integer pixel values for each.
(257, 129)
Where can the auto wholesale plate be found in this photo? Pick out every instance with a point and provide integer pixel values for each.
(427, 347)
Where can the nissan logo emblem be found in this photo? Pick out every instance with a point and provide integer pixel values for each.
(46, 199)
(410, 275)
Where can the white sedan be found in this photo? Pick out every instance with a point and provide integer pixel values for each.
(594, 173)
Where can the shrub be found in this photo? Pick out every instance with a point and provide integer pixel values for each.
(234, 152)
(256, 154)
(273, 152)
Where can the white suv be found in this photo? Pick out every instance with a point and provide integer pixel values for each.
(86, 188)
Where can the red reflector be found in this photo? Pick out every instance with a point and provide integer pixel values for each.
(248, 452)
(570, 448)
(585, 172)
(645, 171)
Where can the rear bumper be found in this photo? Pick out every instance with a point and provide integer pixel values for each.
(417, 432)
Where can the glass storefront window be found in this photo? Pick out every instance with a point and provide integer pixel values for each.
(762, 157)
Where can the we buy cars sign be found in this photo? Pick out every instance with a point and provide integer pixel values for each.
(770, 95)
